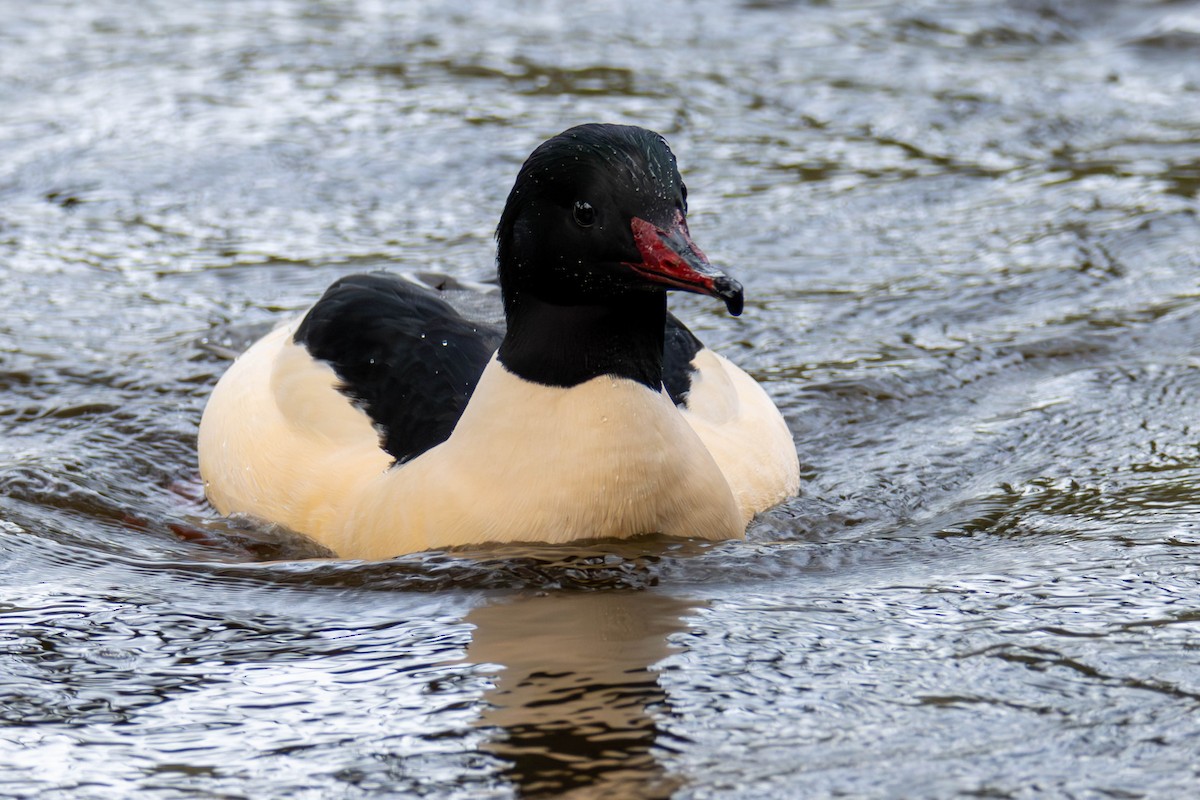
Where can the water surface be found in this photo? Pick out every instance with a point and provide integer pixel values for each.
(969, 236)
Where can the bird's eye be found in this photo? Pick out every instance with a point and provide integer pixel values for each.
(585, 215)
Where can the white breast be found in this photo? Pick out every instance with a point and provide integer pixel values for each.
(607, 458)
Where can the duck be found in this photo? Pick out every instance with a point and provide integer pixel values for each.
(386, 420)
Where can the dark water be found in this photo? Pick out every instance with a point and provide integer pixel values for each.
(969, 236)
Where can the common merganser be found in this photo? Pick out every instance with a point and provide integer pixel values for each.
(385, 422)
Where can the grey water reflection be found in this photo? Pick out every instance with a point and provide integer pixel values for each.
(574, 708)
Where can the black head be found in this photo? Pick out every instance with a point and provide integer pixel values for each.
(597, 213)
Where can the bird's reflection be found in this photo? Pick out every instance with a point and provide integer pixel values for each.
(573, 711)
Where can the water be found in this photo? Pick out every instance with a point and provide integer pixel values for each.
(969, 236)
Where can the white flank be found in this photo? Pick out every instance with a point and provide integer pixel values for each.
(744, 431)
(278, 440)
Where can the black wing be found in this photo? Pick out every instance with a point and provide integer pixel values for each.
(679, 348)
(403, 353)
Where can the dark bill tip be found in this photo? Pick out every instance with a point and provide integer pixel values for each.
(731, 292)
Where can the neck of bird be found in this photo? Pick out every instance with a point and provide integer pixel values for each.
(566, 345)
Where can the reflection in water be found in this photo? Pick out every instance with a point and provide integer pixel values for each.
(573, 709)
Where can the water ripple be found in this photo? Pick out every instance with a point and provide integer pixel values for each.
(968, 236)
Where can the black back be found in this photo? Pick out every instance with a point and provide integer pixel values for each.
(403, 353)
(679, 348)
